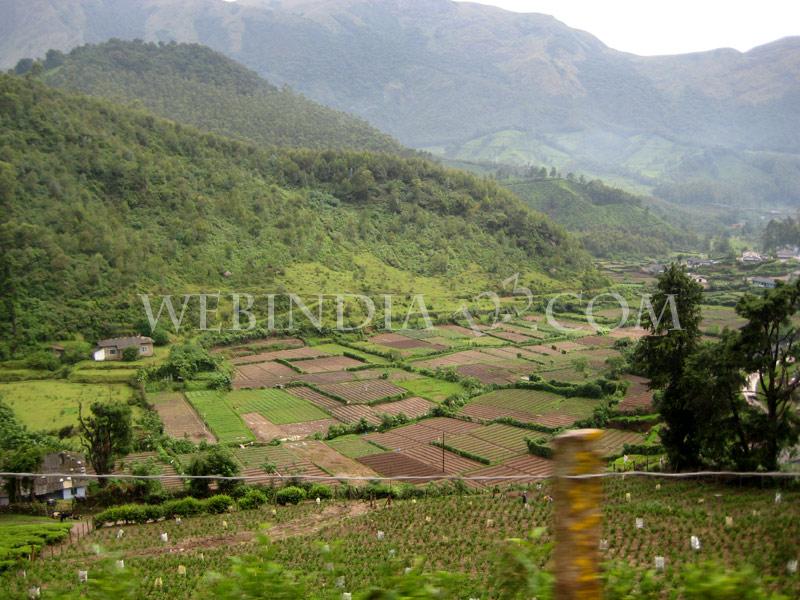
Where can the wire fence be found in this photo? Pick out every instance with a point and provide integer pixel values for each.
(443, 476)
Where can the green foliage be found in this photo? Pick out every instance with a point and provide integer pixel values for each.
(218, 504)
(106, 434)
(321, 491)
(290, 495)
(539, 447)
(253, 498)
(663, 355)
(217, 460)
(132, 198)
(19, 540)
(195, 85)
(130, 354)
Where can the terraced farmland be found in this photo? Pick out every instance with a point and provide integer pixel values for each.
(353, 446)
(220, 417)
(363, 392)
(275, 405)
(542, 407)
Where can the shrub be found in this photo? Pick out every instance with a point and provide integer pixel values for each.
(253, 498)
(129, 513)
(185, 507)
(290, 495)
(43, 359)
(319, 490)
(218, 504)
(130, 353)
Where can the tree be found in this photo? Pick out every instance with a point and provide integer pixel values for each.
(21, 451)
(106, 434)
(216, 461)
(662, 356)
(769, 351)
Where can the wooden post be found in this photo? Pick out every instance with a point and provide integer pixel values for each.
(578, 516)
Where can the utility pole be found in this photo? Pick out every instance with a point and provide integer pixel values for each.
(442, 451)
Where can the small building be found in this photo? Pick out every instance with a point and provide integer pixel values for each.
(763, 282)
(60, 478)
(698, 279)
(111, 349)
(654, 269)
(748, 256)
(57, 350)
(787, 253)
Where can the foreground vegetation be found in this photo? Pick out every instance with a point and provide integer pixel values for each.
(460, 544)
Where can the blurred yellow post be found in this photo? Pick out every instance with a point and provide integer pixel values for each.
(578, 516)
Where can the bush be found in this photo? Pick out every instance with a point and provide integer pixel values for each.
(290, 495)
(43, 359)
(130, 353)
(185, 507)
(319, 490)
(253, 498)
(129, 513)
(218, 504)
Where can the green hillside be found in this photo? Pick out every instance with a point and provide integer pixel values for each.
(102, 202)
(195, 85)
(610, 222)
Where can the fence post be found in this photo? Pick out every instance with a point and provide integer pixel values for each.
(578, 515)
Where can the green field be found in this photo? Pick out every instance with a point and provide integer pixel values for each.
(536, 402)
(435, 390)
(53, 404)
(353, 446)
(275, 405)
(220, 417)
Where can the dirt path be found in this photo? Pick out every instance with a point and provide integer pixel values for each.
(307, 525)
(329, 459)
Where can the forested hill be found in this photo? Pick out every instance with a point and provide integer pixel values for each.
(193, 84)
(610, 222)
(101, 202)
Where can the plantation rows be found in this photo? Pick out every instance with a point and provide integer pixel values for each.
(461, 533)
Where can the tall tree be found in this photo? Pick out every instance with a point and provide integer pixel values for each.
(106, 434)
(662, 356)
(769, 349)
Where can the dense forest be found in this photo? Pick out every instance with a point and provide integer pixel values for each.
(193, 84)
(102, 202)
(609, 222)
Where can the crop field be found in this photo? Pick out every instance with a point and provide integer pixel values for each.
(477, 525)
(275, 405)
(637, 397)
(337, 349)
(542, 407)
(288, 354)
(220, 417)
(397, 464)
(613, 440)
(479, 448)
(363, 392)
(123, 376)
(50, 405)
(328, 363)
(717, 318)
(435, 390)
(353, 446)
(321, 400)
(263, 374)
(413, 408)
(488, 374)
(179, 418)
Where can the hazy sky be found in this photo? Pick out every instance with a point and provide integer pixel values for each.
(671, 26)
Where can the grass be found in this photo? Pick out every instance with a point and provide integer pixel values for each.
(49, 405)
(435, 390)
(220, 417)
(275, 405)
(353, 446)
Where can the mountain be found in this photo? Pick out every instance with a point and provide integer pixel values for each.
(478, 83)
(195, 85)
(102, 202)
